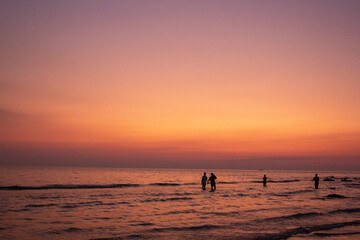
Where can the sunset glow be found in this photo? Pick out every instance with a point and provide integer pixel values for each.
(180, 81)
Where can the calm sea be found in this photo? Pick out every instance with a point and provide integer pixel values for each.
(114, 203)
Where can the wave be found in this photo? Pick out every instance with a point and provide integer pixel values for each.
(329, 180)
(177, 212)
(332, 196)
(280, 195)
(353, 185)
(69, 186)
(73, 205)
(312, 214)
(346, 179)
(102, 186)
(336, 234)
(142, 224)
(220, 182)
(171, 184)
(294, 216)
(101, 195)
(117, 238)
(281, 235)
(222, 213)
(67, 230)
(235, 195)
(91, 203)
(160, 194)
(87, 186)
(347, 210)
(296, 192)
(73, 229)
(306, 230)
(80, 204)
(286, 217)
(240, 195)
(18, 210)
(278, 181)
(135, 236)
(286, 194)
(285, 181)
(166, 199)
(40, 205)
(191, 228)
(183, 194)
(164, 184)
(46, 197)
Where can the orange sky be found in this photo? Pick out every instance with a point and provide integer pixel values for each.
(249, 78)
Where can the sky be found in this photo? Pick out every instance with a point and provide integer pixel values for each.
(183, 84)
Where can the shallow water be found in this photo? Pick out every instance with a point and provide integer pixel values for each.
(113, 203)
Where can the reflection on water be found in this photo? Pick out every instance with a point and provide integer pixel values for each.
(90, 203)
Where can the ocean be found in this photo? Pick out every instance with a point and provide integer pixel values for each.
(119, 203)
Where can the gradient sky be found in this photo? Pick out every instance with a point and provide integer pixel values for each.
(246, 84)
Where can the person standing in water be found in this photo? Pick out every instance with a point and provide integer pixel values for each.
(212, 182)
(316, 180)
(203, 181)
(264, 180)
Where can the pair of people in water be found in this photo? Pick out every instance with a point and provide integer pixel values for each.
(211, 179)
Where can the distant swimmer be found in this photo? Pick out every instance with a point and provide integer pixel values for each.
(264, 180)
(212, 182)
(316, 180)
(203, 181)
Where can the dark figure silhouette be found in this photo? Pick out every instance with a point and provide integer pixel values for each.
(212, 182)
(264, 180)
(203, 181)
(316, 180)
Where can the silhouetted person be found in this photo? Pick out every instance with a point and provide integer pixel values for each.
(316, 180)
(264, 180)
(203, 181)
(212, 182)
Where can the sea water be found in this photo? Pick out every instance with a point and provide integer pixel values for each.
(115, 203)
